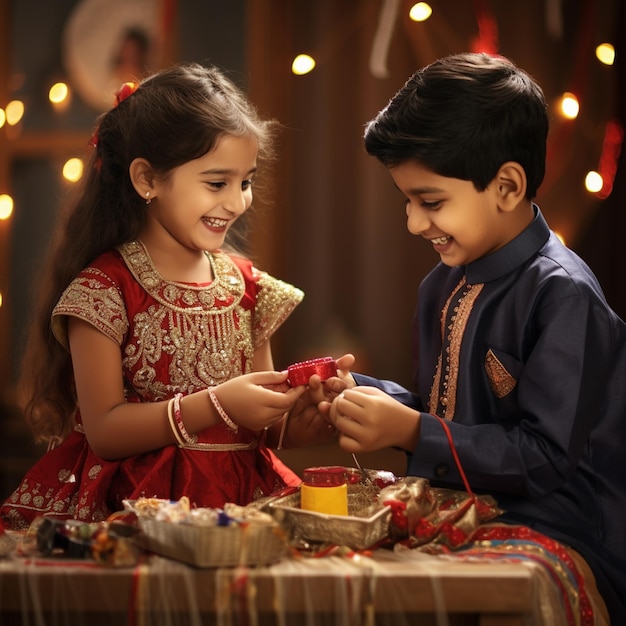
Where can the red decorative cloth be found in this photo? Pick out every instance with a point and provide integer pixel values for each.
(461, 525)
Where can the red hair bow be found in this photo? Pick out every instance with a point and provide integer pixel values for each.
(127, 89)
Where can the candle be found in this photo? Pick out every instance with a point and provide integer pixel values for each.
(325, 490)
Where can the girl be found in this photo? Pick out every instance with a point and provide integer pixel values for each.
(150, 354)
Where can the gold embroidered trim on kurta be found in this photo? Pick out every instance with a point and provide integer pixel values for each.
(442, 401)
(501, 381)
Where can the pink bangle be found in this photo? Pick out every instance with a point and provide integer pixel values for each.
(170, 418)
(179, 422)
(220, 409)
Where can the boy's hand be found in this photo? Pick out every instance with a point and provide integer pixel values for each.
(368, 419)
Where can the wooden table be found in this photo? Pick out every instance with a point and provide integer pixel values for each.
(394, 589)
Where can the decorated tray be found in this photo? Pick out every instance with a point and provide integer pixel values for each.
(366, 524)
(210, 537)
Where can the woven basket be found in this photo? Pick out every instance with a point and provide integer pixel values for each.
(214, 546)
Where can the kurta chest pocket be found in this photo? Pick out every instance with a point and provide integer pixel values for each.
(502, 372)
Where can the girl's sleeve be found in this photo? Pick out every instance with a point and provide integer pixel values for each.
(95, 298)
(275, 301)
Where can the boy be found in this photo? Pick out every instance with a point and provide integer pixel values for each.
(515, 345)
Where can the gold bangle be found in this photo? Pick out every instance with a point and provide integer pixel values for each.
(220, 410)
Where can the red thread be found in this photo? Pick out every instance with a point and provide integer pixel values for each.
(455, 456)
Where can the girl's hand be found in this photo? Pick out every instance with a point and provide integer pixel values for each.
(323, 393)
(368, 419)
(306, 425)
(257, 400)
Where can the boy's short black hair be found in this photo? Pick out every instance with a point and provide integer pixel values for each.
(463, 116)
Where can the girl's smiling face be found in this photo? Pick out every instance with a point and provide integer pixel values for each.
(462, 224)
(200, 200)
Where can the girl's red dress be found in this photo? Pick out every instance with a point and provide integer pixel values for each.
(174, 337)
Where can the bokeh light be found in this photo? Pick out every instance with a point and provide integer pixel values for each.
(605, 53)
(6, 206)
(593, 182)
(303, 64)
(569, 106)
(420, 12)
(73, 169)
(58, 93)
(14, 112)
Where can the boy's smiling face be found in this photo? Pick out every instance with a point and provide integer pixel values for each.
(462, 224)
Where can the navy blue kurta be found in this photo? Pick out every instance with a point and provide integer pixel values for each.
(532, 377)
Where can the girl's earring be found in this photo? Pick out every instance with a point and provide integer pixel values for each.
(148, 198)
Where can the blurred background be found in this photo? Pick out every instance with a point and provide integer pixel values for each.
(332, 223)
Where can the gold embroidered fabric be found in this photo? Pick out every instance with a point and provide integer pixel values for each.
(501, 381)
(442, 400)
(178, 337)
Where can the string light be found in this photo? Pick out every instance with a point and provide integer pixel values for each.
(420, 12)
(14, 112)
(303, 64)
(58, 93)
(73, 170)
(593, 182)
(605, 53)
(569, 106)
(3, 117)
(6, 206)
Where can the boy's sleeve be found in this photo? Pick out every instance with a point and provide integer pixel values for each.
(396, 391)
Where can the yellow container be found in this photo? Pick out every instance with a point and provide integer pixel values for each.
(325, 490)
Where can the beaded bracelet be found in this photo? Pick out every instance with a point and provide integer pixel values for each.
(220, 409)
(179, 421)
(170, 418)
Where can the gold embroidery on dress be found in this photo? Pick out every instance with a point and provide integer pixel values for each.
(202, 329)
(253, 444)
(202, 334)
(501, 381)
(442, 400)
(275, 301)
(90, 300)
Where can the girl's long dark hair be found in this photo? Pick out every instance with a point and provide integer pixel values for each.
(173, 117)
